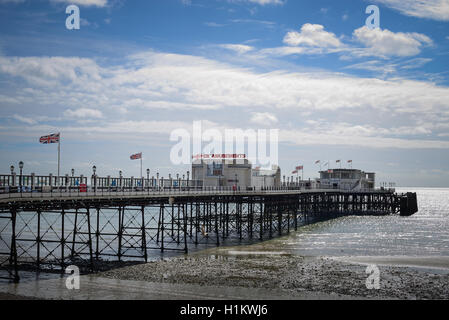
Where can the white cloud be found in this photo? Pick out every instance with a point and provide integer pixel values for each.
(174, 82)
(380, 66)
(286, 51)
(375, 66)
(83, 113)
(261, 2)
(24, 119)
(239, 48)
(86, 3)
(214, 24)
(264, 118)
(12, 1)
(302, 137)
(431, 9)
(386, 43)
(194, 81)
(314, 39)
(312, 35)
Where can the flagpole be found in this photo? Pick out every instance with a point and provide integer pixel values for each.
(141, 155)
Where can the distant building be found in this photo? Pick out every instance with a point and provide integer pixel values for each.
(347, 179)
(215, 171)
(263, 178)
(222, 172)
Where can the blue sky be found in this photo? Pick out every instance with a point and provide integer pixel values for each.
(137, 70)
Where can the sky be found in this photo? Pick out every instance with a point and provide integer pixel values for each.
(136, 71)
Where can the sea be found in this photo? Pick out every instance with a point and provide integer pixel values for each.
(426, 233)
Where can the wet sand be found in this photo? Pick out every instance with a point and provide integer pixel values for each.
(298, 277)
(243, 273)
(258, 271)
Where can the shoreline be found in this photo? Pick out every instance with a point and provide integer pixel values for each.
(220, 273)
(297, 276)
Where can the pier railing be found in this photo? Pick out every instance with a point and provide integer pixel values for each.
(14, 186)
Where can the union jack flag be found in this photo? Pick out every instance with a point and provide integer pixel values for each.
(299, 168)
(52, 138)
(136, 156)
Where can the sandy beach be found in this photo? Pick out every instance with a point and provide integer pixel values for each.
(249, 273)
(296, 276)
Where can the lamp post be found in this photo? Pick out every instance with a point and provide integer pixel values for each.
(120, 179)
(236, 181)
(94, 170)
(177, 180)
(188, 174)
(20, 177)
(12, 175)
(157, 180)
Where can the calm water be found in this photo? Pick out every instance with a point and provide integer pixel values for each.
(424, 234)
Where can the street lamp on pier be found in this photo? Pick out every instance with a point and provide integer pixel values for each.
(12, 175)
(188, 174)
(94, 170)
(20, 178)
(236, 181)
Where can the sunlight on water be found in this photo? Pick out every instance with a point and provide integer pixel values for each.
(425, 233)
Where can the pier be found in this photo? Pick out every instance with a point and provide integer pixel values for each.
(49, 223)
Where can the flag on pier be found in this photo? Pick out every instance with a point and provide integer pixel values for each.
(136, 156)
(299, 168)
(349, 161)
(52, 138)
(318, 161)
(295, 171)
(338, 161)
